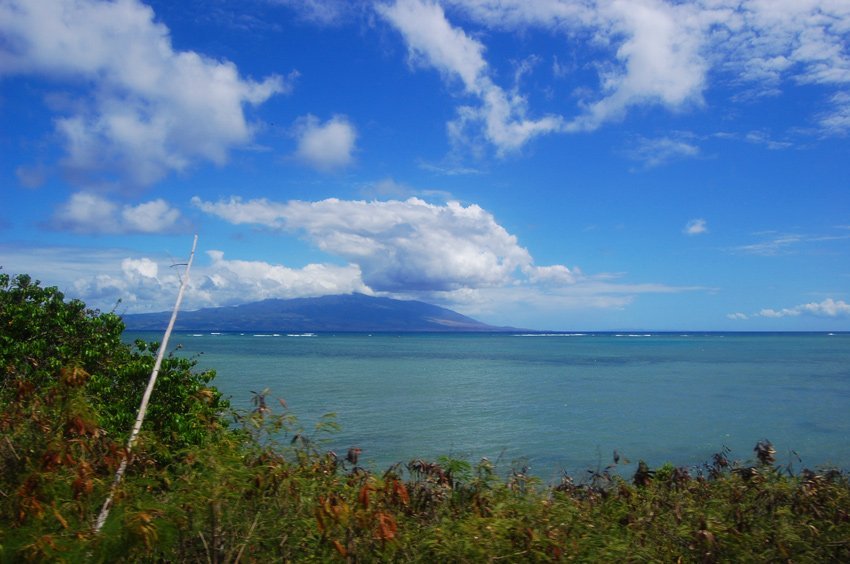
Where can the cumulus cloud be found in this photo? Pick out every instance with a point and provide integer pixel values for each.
(450, 254)
(86, 212)
(238, 281)
(149, 284)
(399, 245)
(325, 146)
(695, 227)
(148, 109)
(500, 117)
(150, 217)
(827, 308)
(557, 274)
(143, 283)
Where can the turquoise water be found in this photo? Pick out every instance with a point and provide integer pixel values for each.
(553, 402)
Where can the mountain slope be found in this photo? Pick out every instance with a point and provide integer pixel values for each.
(355, 312)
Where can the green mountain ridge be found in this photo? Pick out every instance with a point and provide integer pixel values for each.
(349, 312)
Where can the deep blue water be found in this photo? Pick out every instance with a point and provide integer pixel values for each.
(554, 402)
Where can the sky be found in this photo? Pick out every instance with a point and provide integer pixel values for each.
(547, 164)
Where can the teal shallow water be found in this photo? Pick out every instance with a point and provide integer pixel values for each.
(554, 402)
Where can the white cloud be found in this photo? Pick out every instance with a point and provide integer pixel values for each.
(321, 12)
(827, 308)
(780, 243)
(399, 245)
(738, 316)
(501, 117)
(655, 152)
(150, 217)
(763, 138)
(325, 146)
(240, 281)
(661, 52)
(557, 306)
(86, 212)
(836, 119)
(149, 283)
(557, 274)
(143, 267)
(695, 227)
(101, 277)
(448, 254)
(659, 59)
(149, 110)
(776, 244)
(657, 47)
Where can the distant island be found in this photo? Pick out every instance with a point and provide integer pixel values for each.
(351, 312)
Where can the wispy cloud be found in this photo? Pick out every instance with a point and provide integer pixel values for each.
(661, 150)
(782, 243)
(31, 176)
(836, 119)
(321, 12)
(500, 117)
(449, 169)
(764, 138)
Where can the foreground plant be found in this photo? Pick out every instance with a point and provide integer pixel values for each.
(209, 484)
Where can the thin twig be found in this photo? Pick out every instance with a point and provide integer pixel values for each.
(12, 448)
(520, 553)
(104, 511)
(247, 538)
(206, 547)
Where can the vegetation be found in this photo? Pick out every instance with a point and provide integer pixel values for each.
(209, 484)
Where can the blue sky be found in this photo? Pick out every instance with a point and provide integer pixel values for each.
(557, 164)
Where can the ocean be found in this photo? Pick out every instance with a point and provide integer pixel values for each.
(554, 403)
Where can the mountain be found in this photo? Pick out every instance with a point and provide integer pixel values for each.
(354, 312)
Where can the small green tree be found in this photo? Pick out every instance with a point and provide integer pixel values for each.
(42, 334)
(69, 392)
